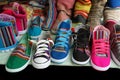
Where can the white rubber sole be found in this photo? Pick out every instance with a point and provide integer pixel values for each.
(41, 66)
(59, 60)
(78, 62)
(100, 68)
(18, 69)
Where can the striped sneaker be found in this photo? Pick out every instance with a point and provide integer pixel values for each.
(20, 56)
(8, 39)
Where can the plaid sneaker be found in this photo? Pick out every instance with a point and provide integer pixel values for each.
(100, 56)
(81, 52)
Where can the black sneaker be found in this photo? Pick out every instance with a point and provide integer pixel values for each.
(81, 46)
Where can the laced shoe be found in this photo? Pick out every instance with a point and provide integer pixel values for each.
(60, 50)
(81, 52)
(100, 56)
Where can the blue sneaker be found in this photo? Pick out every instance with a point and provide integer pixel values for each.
(34, 30)
(61, 48)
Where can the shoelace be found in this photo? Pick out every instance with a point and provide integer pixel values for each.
(43, 46)
(101, 47)
(63, 37)
(80, 41)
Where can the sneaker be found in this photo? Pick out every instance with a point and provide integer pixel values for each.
(115, 44)
(20, 57)
(8, 39)
(111, 21)
(81, 11)
(9, 18)
(20, 15)
(81, 52)
(60, 50)
(100, 56)
(34, 30)
(41, 58)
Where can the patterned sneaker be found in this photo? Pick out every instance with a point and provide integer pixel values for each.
(20, 57)
(9, 18)
(41, 58)
(20, 15)
(115, 44)
(81, 52)
(60, 50)
(7, 37)
(100, 56)
(81, 11)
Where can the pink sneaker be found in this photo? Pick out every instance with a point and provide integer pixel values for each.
(100, 56)
(20, 15)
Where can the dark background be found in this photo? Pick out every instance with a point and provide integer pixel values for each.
(60, 73)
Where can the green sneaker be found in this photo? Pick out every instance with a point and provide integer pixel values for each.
(20, 56)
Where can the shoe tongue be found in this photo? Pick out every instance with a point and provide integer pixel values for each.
(64, 26)
(100, 34)
(60, 49)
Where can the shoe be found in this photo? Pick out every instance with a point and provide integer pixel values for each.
(41, 58)
(115, 43)
(60, 50)
(20, 15)
(81, 11)
(8, 39)
(20, 57)
(112, 23)
(81, 51)
(100, 56)
(34, 30)
(9, 18)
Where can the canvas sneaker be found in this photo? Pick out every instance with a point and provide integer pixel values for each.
(20, 57)
(81, 51)
(41, 57)
(60, 50)
(100, 54)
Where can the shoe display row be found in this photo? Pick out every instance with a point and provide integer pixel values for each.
(54, 37)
